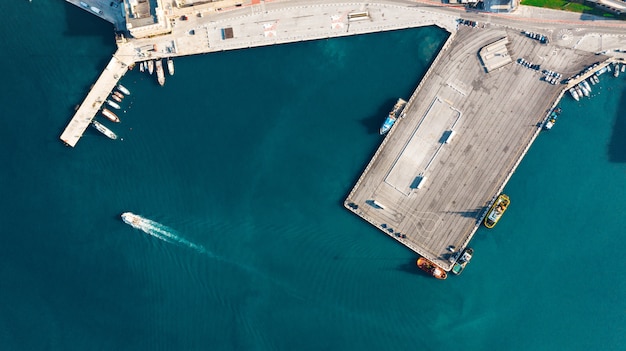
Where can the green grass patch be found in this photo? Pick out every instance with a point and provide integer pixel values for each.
(573, 6)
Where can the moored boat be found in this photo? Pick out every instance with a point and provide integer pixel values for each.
(170, 66)
(104, 130)
(110, 115)
(116, 98)
(586, 85)
(574, 94)
(160, 73)
(578, 91)
(123, 89)
(616, 70)
(583, 89)
(497, 210)
(431, 268)
(150, 66)
(392, 117)
(142, 66)
(113, 104)
(118, 94)
(465, 258)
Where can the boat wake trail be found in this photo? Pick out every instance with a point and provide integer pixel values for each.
(162, 232)
(168, 235)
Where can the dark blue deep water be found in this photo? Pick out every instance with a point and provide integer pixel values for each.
(246, 157)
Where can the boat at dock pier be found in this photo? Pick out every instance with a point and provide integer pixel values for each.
(113, 104)
(497, 210)
(431, 268)
(104, 130)
(110, 115)
(123, 89)
(392, 117)
(160, 73)
(170, 66)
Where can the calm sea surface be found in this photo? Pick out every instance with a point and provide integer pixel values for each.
(246, 157)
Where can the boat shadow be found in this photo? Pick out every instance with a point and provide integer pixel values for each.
(373, 122)
(473, 213)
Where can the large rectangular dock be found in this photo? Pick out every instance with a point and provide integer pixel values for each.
(461, 136)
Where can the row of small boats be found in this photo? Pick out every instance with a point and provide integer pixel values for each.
(113, 101)
(151, 65)
(584, 89)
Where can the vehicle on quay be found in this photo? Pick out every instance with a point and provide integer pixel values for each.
(392, 117)
(465, 258)
(104, 130)
(110, 115)
(497, 210)
(431, 268)
(113, 104)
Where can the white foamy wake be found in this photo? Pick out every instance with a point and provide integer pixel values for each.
(167, 234)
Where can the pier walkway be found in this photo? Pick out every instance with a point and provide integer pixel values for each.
(115, 69)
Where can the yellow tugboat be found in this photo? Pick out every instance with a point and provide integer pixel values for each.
(497, 210)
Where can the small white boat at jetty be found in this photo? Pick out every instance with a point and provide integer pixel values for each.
(150, 66)
(170, 66)
(104, 130)
(113, 104)
(160, 73)
(123, 89)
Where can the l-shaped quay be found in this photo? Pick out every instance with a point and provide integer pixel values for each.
(463, 131)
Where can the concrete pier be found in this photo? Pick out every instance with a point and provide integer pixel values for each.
(115, 69)
(430, 192)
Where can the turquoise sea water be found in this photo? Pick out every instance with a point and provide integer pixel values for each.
(246, 157)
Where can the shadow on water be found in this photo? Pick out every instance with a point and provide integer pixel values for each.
(617, 144)
(82, 23)
(373, 122)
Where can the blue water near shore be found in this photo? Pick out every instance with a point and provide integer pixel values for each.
(246, 157)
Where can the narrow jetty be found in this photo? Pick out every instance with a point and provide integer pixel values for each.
(115, 69)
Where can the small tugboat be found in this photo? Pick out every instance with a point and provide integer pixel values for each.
(496, 210)
(160, 74)
(465, 258)
(431, 268)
